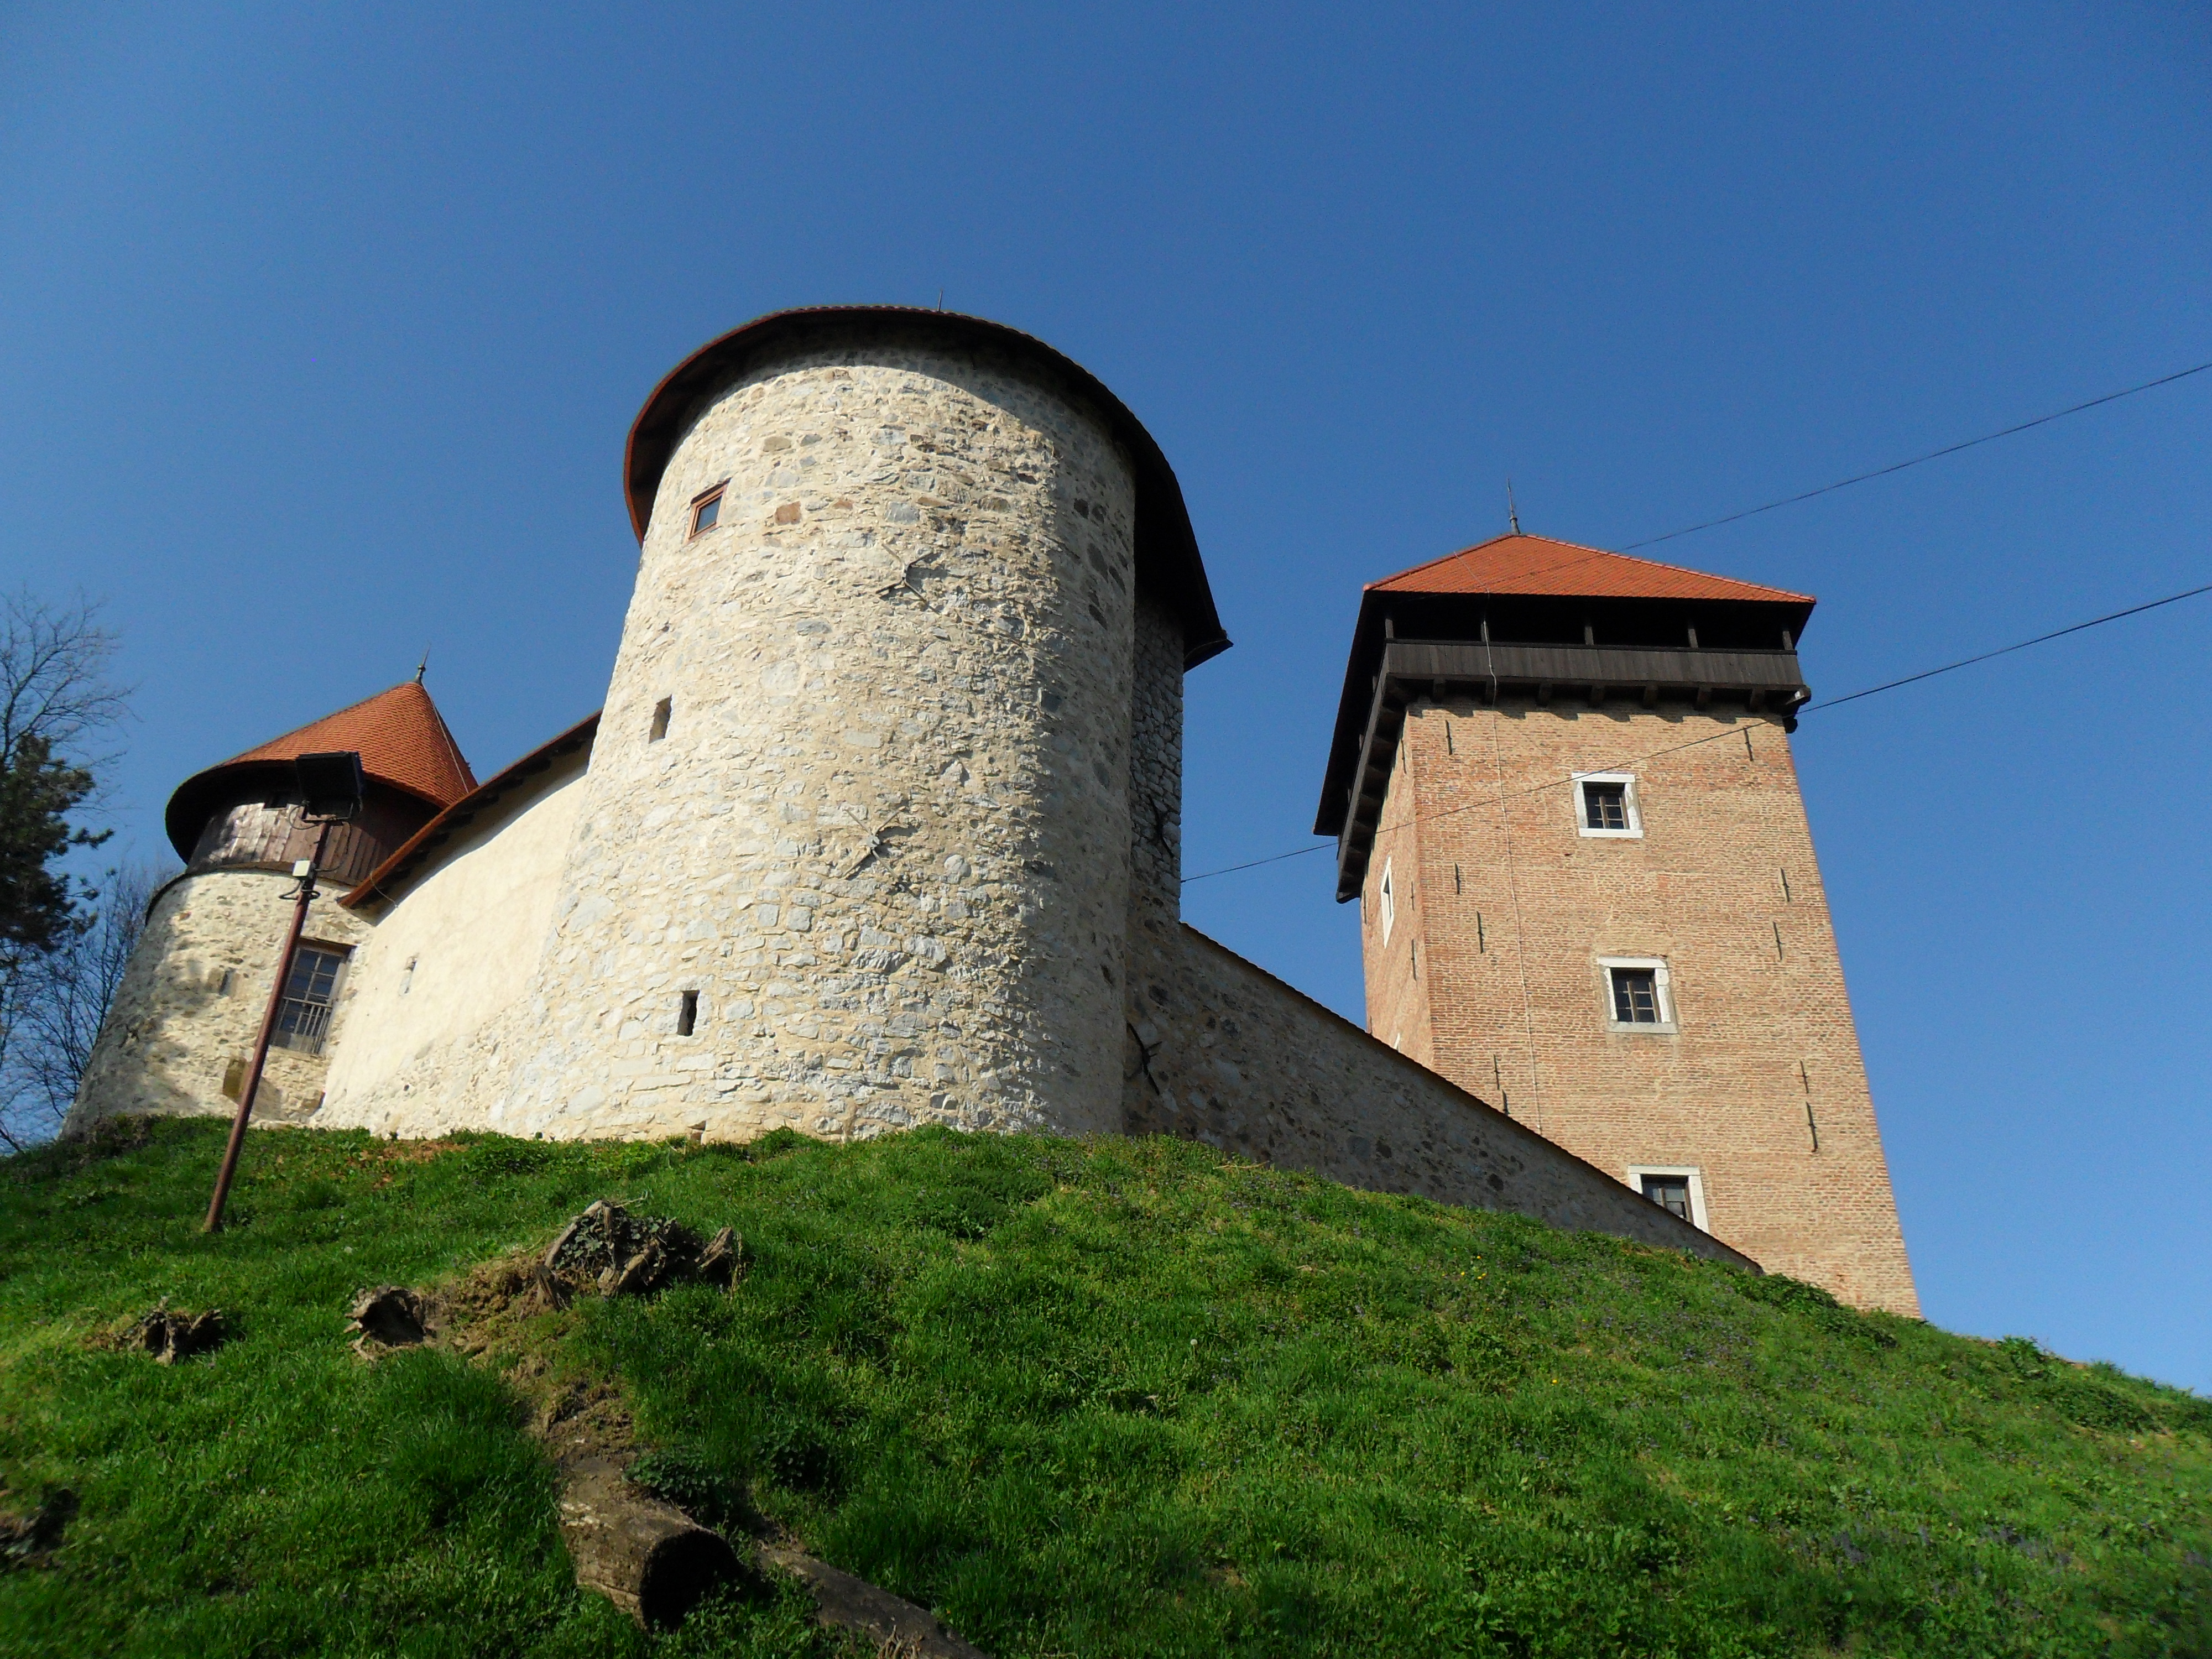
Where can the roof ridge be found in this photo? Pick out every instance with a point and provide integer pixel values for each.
(1518, 581)
(1477, 547)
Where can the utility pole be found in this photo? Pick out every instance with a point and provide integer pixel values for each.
(329, 794)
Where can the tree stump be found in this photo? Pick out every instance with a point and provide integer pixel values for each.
(650, 1560)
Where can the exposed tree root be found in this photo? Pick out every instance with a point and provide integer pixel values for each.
(643, 1553)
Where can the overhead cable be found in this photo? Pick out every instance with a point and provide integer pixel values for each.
(1919, 461)
(1825, 702)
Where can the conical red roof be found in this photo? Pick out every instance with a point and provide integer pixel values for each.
(1537, 565)
(401, 737)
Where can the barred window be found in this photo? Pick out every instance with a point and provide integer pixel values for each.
(303, 1018)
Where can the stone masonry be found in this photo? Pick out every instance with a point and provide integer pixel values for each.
(1490, 973)
(871, 846)
(192, 1001)
(880, 826)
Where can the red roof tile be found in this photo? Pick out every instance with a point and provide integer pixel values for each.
(401, 737)
(1537, 565)
(423, 844)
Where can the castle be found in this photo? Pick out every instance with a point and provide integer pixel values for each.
(879, 826)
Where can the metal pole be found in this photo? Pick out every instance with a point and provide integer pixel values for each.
(253, 1086)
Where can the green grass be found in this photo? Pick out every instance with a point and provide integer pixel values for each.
(1119, 1398)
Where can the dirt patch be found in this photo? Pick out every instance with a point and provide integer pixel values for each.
(391, 1316)
(630, 1545)
(27, 1538)
(169, 1336)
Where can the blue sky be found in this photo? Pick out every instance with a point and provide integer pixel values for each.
(320, 329)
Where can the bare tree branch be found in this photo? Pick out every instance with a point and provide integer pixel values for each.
(53, 1004)
(60, 965)
(54, 682)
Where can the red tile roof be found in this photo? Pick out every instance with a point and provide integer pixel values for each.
(402, 738)
(1537, 565)
(423, 845)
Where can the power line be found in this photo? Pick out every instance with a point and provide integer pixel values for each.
(2007, 650)
(1587, 556)
(1919, 461)
(1828, 703)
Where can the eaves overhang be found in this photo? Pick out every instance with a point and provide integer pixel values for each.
(1388, 670)
(1169, 568)
(419, 853)
(200, 796)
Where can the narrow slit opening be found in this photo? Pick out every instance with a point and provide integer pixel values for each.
(661, 711)
(687, 1014)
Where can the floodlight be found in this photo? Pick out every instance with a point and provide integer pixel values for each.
(330, 784)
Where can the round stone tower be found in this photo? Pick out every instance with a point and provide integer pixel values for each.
(184, 1021)
(855, 849)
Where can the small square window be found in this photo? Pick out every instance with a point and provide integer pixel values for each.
(1638, 995)
(1605, 806)
(1677, 1188)
(707, 511)
(1671, 1192)
(1635, 996)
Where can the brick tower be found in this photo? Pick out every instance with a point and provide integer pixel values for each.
(1562, 791)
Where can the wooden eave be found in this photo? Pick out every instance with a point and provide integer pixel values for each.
(388, 882)
(1409, 671)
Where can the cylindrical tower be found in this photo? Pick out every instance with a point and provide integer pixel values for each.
(855, 848)
(178, 1035)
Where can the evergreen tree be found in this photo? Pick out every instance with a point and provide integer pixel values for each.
(54, 695)
(39, 906)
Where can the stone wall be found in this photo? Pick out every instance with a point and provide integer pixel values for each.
(192, 999)
(428, 1027)
(881, 848)
(1759, 1086)
(1228, 1055)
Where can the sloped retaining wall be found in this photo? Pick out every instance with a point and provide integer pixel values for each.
(1220, 1051)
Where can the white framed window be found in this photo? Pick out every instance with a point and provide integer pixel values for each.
(1605, 806)
(1638, 995)
(1387, 900)
(1678, 1188)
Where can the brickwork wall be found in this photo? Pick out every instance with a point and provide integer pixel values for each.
(192, 999)
(1516, 909)
(1390, 939)
(884, 841)
(1233, 1057)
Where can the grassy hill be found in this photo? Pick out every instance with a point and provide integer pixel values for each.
(1113, 1399)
